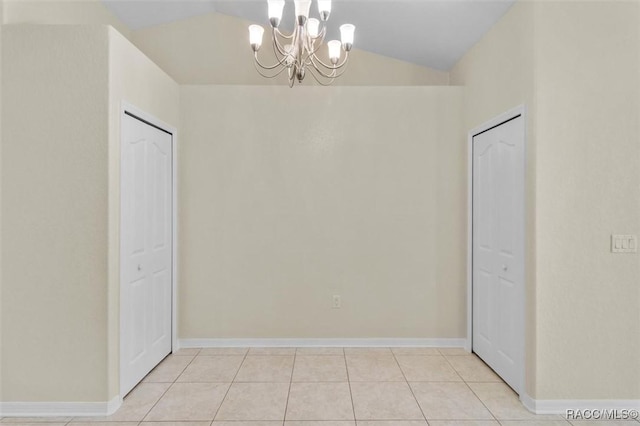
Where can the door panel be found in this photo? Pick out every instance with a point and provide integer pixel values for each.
(498, 249)
(146, 262)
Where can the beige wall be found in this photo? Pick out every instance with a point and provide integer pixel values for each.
(588, 187)
(205, 50)
(54, 213)
(80, 12)
(498, 75)
(60, 205)
(282, 207)
(1, 20)
(575, 65)
(134, 79)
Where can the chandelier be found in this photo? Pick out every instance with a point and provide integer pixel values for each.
(297, 52)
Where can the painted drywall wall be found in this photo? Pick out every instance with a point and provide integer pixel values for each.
(60, 205)
(588, 187)
(575, 65)
(78, 12)
(134, 79)
(213, 49)
(498, 75)
(54, 213)
(282, 206)
(1, 20)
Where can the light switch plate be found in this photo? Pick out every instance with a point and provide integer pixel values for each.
(624, 243)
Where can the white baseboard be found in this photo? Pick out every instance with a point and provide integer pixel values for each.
(560, 406)
(338, 342)
(59, 409)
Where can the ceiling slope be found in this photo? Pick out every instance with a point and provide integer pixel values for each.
(432, 33)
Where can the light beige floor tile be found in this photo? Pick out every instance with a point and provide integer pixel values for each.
(415, 351)
(453, 351)
(463, 423)
(272, 351)
(187, 352)
(320, 351)
(319, 401)
(35, 419)
(373, 368)
(319, 423)
(189, 401)
(81, 423)
(427, 369)
(254, 401)
(169, 369)
(449, 401)
(235, 423)
(393, 423)
(41, 423)
(504, 403)
(175, 423)
(135, 405)
(384, 401)
(266, 369)
(472, 369)
(222, 368)
(319, 368)
(601, 422)
(536, 423)
(223, 351)
(367, 351)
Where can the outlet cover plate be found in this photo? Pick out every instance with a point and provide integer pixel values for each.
(624, 243)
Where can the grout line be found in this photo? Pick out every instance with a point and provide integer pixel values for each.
(346, 367)
(293, 367)
(229, 388)
(482, 402)
(167, 389)
(410, 388)
(454, 369)
(472, 391)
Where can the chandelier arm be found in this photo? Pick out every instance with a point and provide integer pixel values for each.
(276, 44)
(255, 65)
(322, 73)
(266, 67)
(319, 40)
(334, 73)
(283, 35)
(317, 79)
(315, 50)
(334, 67)
(292, 77)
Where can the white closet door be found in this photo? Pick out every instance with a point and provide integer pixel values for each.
(146, 258)
(498, 249)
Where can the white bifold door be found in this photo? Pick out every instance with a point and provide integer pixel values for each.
(146, 249)
(498, 249)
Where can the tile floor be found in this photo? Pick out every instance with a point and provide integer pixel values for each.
(319, 387)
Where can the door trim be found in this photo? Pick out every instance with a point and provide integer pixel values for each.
(135, 112)
(494, 122)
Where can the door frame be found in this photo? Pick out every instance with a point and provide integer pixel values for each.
(129, 109)
(520, 110)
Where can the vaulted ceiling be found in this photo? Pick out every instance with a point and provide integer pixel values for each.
(432, 33)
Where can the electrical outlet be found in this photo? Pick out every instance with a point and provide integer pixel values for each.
(337, 302)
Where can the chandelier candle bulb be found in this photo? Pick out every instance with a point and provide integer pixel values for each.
(313, 28)
(255, 36)
(302, 10)
(324, 9)
(334, 51)
(347, 32)
(276, 8)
